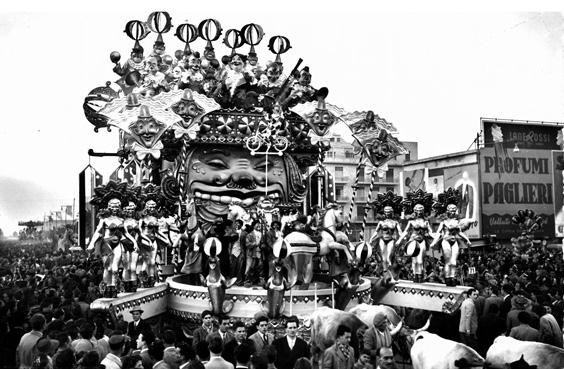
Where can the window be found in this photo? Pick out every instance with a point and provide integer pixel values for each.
(361, 194)
(390, 175)
(361, 173)
(339, 192)
(332, 139)
(349, 154)
(330, 154)
(359, 211)
(338, 171)
(407, 157)
(338, 139)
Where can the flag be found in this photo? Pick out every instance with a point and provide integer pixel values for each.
(67, 209)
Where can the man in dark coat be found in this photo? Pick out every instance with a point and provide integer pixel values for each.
(290, 347)
(490, 326)
(138, 325)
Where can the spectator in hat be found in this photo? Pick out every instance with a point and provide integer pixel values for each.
(112, 359)
(24, 352)
(43, 352)
(518, 303)
(138, 325)
(379, 335)
(201, 333)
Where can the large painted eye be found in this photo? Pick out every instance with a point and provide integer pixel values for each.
(217, 163)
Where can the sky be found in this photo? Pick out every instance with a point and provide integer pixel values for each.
(431, 68)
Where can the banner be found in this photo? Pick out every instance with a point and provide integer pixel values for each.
(413, 180)
(516, 169)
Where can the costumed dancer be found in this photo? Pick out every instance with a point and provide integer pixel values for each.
(418, 229)
(388, 229)
(109, 232)
(215, 281)
(450, 232)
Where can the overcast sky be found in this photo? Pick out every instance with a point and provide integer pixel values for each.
(432, 71)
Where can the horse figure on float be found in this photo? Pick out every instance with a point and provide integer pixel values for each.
(303, 246)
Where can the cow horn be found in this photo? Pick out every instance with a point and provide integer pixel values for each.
(425, 327)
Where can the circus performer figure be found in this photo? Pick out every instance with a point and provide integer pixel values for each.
(418, 229)
(109, 232)
(450, 233)
(388, 229)
(135, 62)
(277, 284)
(215, 281)
(130, 243)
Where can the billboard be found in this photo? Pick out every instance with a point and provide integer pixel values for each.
(413, 180)
(512, 180)
(557, 169)
(465, 179)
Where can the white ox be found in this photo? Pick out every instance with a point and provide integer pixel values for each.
(507, 350)
(367, 312)
(430, 351)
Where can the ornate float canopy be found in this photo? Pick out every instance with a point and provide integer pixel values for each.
(196, 116)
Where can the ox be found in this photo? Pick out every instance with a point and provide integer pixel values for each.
(324, 322)
(367, 312)
(431, 351)
(507, 349)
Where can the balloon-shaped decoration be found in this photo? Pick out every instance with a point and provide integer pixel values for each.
(115, 56)
(136, 30)
(279, 45)
(233, 40)
(209, 30)
(187, 33)
(252, 35)
(159, 22)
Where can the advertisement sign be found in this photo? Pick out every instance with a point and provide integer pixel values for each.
(513, 180)
(463, 178)
(413, 180)
(557, 169)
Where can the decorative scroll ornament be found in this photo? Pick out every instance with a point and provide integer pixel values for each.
(187, 33)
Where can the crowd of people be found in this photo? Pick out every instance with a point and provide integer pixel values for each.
(46, 320)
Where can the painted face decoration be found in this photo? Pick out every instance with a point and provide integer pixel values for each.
(129, 210)
(237, 64)
(388, 212)
(273, 72)
(227, 175)
(146, 129)
(194, 64)
(150, 207)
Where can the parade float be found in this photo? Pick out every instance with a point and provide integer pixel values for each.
(208, 142)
